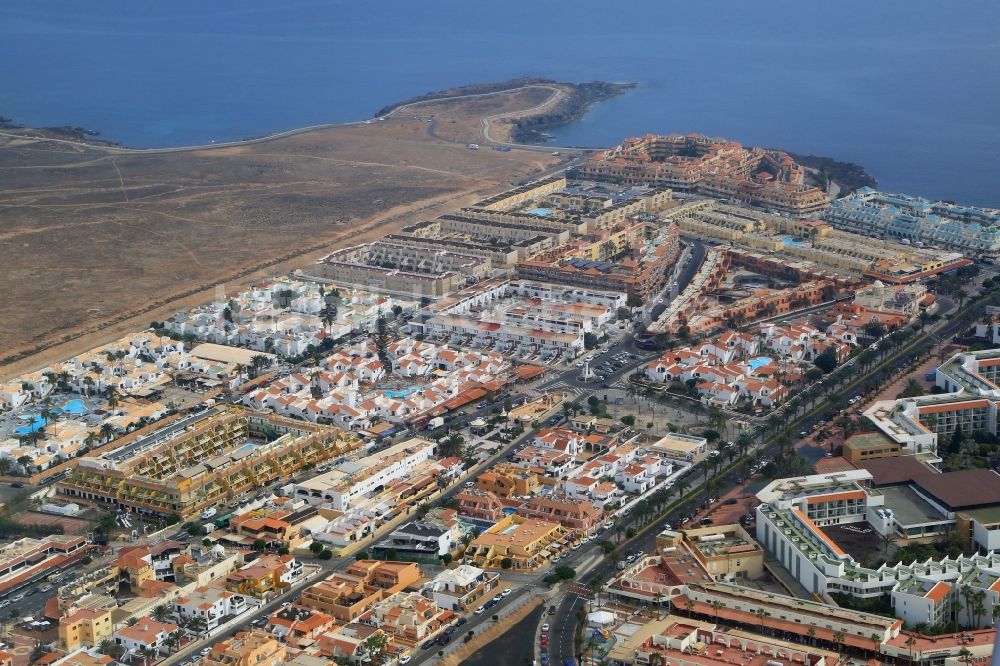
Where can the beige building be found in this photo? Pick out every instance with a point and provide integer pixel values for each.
(528, 544)
(725, 551)
(246, 648)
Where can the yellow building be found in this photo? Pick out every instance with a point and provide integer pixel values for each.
(527, 543)
(725, 551)
(247, 648)
(84, 628)
(218, 456)
(869, 445)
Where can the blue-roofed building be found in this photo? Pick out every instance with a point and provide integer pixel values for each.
(920, 222)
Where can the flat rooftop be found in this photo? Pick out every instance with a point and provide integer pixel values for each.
(909, 508)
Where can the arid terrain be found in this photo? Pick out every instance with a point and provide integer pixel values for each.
(96, 241)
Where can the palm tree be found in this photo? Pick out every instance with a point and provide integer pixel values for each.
(838, 639)
(811, 633)
(716, 605)
(160, 613)
(147, 653)
(910, 642)
(111, 395)
(761, 614)
(107, 432)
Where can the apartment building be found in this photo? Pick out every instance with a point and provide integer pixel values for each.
(517, 196)
(265, 577)
(342, 596)
(297, 626)
(408, 618)
(390, 577)
(712, 166)
(401, 268)
(247, 648)
(85, 627)
(537, 334)
(527, 543)
(727, 552)
(462, 588)
(643, 274)
(579, 516)
(352, 481)
(967, 229)
(209, 605)
(195, 462)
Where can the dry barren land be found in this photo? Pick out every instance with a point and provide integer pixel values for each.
(96, 241)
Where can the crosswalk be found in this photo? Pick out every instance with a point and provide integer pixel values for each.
(563, 387)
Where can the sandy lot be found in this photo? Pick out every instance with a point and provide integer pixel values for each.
(96, 242)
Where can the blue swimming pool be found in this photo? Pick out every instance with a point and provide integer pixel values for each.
(541, 211)
(759, 362)
(398, 394)
(75, 407)
(37, 423)
(788, 240)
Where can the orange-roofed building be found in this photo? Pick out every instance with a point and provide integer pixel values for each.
(147, 633)
(247, 648)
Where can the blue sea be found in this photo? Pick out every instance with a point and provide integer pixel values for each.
(909, 89)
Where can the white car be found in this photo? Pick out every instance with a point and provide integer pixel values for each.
(206, 651)
(405, 659)
(545, 627)
(575, 546)
(506, 591)
(5, 602)
(480, 610)
(208, 513)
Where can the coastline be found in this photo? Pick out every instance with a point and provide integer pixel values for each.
(579, 98)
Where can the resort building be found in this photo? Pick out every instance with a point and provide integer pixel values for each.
(969, 402)
(353, 481)
(797, 517)
(195, 462)
(711, 166)
(527, 543)
(914, 220)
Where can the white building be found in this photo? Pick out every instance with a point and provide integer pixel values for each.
(210, 605)
(147, 633)
(353, 480)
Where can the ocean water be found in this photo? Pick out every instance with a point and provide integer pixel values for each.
(908, 89)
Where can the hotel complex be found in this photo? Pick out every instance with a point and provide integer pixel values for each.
(900, 217)
(711, 166)
(199, 461)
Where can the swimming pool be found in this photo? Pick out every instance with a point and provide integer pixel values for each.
(788, 240)
(540, 211)
(37, 423)
(75, 407)
(398, 394)
(759, 362)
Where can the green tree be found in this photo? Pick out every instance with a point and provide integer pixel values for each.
(381, 338)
